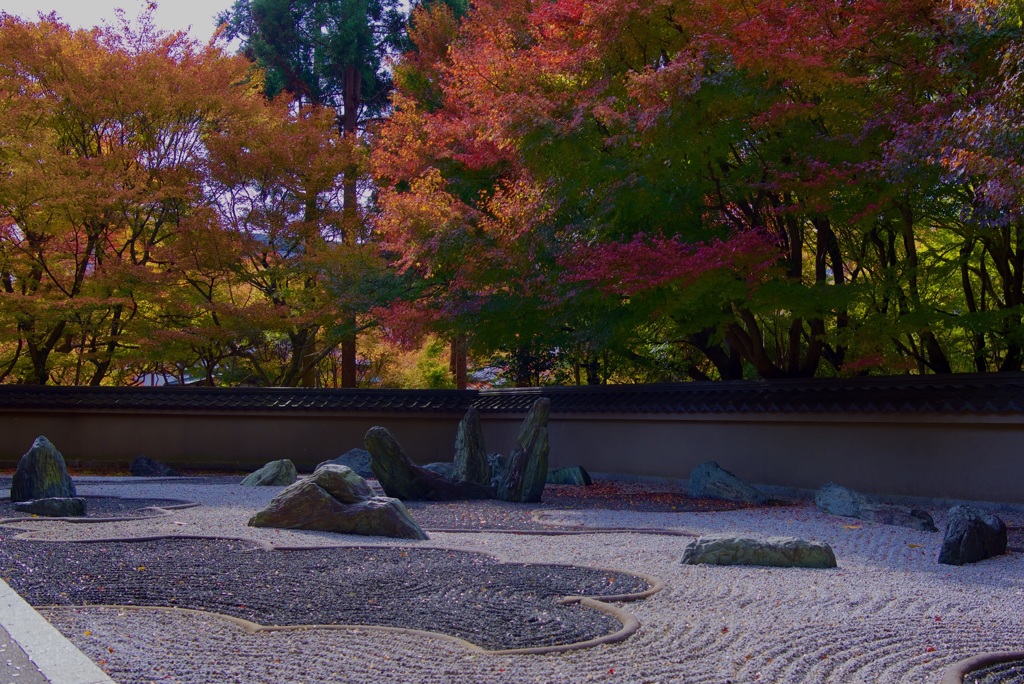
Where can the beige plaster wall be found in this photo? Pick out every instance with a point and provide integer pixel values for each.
(934, 456)
(218, 440)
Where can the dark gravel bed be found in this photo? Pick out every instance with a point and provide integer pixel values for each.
(104, 507)
(1011, 672)
(494, 605)
(603, 494)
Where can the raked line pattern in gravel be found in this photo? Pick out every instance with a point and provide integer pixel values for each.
(888, 613)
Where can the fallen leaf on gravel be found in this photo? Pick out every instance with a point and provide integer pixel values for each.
(852, 527)
(914, 546)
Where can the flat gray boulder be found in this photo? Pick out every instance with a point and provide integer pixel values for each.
(471, 463)
(335, 499)
(780, 552)
(838, 500)
(711, 481)
(274, 474)
(57, 507)
(41, 474)
(570, 475)
(400, 478)
(526, 470)
(356, 459)
(972, 535)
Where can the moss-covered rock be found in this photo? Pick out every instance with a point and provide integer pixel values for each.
(41, 474)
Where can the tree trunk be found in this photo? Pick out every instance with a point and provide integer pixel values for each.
(459, 360)
(350, 220)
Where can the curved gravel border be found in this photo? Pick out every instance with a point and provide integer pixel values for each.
(960, 672)
(143, 508)
(502, 607)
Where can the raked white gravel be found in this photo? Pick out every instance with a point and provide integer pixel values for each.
(888, 613)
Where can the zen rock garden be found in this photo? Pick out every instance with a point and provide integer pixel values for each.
(336, 497)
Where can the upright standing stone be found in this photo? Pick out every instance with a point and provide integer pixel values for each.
(400, 478)
(527, 470)
(972, 535)
(471, 462)
(41, 474)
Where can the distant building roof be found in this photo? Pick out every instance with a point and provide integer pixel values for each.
(979, 393)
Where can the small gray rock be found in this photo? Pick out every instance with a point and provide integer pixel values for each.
(571, 475)
(56, 507)
(499, 464)
(784, 552)
(902, 516)
(274, 474)
(838, 500)
(147, 467)
(356, 459)
(712, 481)
(41, 474)
(972, 535)
(442, 468)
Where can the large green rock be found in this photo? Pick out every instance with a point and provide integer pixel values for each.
(274, 474)
(335, 499)
(527, 467)
(783, 552)
(470, 452)
(401, 478)
(41, 474)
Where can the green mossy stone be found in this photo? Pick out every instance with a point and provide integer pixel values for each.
(779, 552)
(274, 474)
(41, 474)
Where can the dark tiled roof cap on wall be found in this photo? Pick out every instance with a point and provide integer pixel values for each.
(981, 393)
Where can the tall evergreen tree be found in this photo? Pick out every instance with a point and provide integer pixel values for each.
(326, 53)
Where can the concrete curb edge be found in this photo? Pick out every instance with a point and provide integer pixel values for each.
(58, 659)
